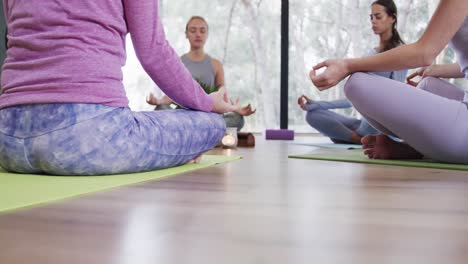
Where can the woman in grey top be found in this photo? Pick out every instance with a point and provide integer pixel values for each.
(206, 70)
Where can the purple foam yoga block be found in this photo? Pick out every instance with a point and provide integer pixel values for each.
(282, 134)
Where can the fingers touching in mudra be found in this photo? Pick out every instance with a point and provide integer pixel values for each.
(335, 71)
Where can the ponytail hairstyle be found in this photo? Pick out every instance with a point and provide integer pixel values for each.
(391, 10)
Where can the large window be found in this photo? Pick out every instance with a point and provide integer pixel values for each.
(244, 35)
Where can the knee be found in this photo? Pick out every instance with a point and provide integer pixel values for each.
(206, 121)
(163, 107)
(426, 83)
(217, 127)
(218, 121)
(315, 118)
(234, 119)
(354, 85)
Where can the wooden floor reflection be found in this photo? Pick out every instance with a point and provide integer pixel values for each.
(265, 208)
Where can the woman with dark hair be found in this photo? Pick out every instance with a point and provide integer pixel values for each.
(345, 129)
(384, 13)
(432, 122)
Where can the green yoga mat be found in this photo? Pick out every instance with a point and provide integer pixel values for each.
(330, 145)
(24, 190)
(357, 155)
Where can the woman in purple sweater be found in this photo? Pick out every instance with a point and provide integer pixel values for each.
(63, 108)
(432, 121)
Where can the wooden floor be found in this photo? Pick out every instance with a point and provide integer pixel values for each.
(265, 208)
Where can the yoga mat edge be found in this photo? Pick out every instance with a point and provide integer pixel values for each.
(356, 156)
(19, 191)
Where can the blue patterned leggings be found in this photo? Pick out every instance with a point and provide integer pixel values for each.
(93, 139)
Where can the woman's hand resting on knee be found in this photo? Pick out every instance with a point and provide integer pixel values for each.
(302, 101)
(246, 110)
(421, 72)
(436, 70)
(153, 100)
(222, 104)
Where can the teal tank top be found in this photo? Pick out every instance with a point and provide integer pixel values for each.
(202, 71)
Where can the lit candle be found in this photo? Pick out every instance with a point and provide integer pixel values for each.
(229, 141)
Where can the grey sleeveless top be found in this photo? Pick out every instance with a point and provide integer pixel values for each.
(459, 44)
(202, 71)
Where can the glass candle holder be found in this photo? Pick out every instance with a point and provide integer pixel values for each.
(230, 138)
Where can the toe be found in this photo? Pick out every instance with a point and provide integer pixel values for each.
(369, 140)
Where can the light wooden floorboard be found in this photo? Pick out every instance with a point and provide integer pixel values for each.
(265, 208)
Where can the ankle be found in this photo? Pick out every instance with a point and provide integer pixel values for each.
(356, 138)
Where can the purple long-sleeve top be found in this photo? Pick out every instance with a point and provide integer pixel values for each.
(72, 51)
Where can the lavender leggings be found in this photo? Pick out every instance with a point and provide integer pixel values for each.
(432, 119)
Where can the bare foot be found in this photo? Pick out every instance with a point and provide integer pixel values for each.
(383, 147)
(196, 160)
